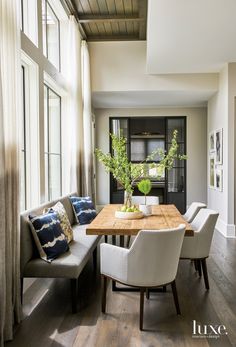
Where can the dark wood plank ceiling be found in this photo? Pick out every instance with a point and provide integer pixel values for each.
(103, 20)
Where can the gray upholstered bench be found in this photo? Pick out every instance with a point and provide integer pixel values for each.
(68, 265)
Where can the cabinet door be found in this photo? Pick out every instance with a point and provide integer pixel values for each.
(176, 177)
(120, 127)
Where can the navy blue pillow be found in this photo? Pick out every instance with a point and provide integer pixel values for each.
(84, 209)
(48, 235)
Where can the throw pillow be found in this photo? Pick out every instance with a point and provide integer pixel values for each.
(48, 235)
(65, 223)
(83, 208)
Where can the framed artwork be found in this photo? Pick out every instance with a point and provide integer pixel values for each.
(219, 146)
(212, 141)
(219, 179)
(212, 171)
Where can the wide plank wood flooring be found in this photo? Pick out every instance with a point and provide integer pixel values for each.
(51, 324)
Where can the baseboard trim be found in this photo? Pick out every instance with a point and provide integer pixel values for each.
(228, 230)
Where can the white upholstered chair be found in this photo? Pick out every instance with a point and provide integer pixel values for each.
(193, 210)
(151, 261)
(150, 200)
(197, 248)
(137, 200)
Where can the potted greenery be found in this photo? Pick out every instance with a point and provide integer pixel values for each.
(127, 173)
(145, 186)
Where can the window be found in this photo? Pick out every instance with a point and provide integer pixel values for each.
(51, 34)
(30, 148)
(52, 143)
(29, 19)
(45, 23)
(23, 142)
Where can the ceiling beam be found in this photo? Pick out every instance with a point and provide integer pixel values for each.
(113, 38)
(109, 19)
(142, 5)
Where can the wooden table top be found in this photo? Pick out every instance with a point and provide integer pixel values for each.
(163, 217)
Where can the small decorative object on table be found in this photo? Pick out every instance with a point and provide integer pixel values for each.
(128, 213)
(145, 186)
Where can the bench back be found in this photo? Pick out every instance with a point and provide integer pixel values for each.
(28, 248)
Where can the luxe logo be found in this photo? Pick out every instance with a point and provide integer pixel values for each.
(208, 330)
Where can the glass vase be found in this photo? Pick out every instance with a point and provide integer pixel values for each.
(128, 199)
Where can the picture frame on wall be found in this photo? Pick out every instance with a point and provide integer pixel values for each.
(212, 141)
(219, 179)
(212, 170)
(219, 146)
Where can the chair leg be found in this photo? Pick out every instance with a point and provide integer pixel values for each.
(175, 295)
(164, 289)
(195, 264)
(141, 308)
(199, 267)
(147, 293)
(104, 293)
(95, 260)
(205, 275)
(128, 241)
(21, 289)
(106, 238)
(74, 286)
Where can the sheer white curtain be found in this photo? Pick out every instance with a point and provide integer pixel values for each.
(73, 116)
(9, 167)
(77, 122)
(88, 170)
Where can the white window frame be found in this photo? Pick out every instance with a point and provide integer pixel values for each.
(31, 131)
(29, 19)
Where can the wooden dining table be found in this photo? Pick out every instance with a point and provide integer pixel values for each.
(162, 217)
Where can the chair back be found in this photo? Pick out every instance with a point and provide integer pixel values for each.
(193, 210)
(204, 226)
(154, 257)
(150, 200)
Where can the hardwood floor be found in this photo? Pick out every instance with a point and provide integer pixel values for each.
(51, 323)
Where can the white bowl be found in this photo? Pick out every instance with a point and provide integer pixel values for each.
(128, 215)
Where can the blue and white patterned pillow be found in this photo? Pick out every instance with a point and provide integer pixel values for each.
(48, 235)
(84, 209)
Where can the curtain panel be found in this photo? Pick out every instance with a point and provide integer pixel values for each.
(72, 119)
(88, 154)
(10, 96)
(78, 144)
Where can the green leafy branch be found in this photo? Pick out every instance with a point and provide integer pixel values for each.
(125, 172)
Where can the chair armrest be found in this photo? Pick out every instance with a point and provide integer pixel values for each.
(114, 261)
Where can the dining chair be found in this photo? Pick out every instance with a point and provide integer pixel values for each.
(150, 200)
(193, 210)
(137, 200)
(197, 248)
(150, 262)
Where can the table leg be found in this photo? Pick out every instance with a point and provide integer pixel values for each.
(122, 241)
(114, 240)
(113, 282)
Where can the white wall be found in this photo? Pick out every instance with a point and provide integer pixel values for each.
(119, 66)
(196, 147)
(221, 114)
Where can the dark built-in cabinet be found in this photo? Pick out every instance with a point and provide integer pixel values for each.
(143, 136)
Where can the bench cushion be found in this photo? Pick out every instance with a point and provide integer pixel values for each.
(65, 223)
(69, 264)
(84, 209)
(49, 237)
